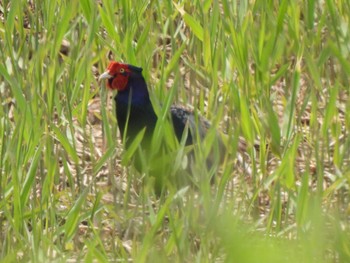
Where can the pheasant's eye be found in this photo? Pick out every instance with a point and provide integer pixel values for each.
(122, 70)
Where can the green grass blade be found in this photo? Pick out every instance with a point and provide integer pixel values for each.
(73, 216)
(65, 143)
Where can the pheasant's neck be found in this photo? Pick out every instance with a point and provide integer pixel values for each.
(135, 112)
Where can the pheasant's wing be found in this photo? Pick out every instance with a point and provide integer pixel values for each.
(197, 125)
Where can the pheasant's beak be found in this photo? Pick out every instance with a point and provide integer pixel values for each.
(105, 75)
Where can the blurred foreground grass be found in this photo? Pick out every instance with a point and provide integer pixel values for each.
(273, 72)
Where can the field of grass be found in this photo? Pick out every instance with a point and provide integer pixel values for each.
(273, 74)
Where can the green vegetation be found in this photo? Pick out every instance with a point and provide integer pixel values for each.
(274, 73)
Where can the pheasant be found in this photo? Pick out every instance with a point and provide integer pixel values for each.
(135, 111)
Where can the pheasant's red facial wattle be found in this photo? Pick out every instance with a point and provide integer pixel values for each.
(117, 75)
(119, 82)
